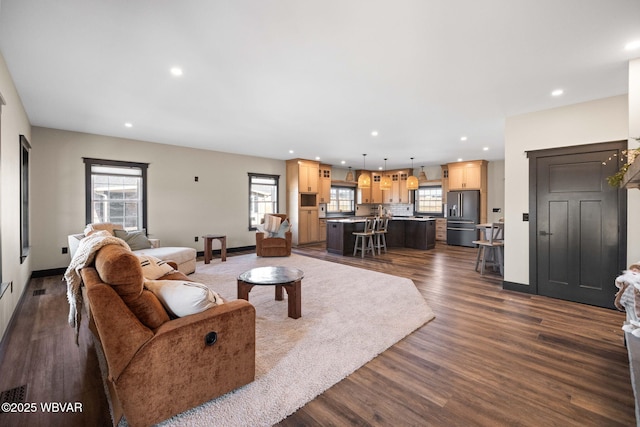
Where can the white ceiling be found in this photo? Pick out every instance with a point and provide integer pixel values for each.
(314, 76)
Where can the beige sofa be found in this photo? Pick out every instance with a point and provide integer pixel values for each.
(184, 257)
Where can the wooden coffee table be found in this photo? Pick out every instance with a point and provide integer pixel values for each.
(281, 277)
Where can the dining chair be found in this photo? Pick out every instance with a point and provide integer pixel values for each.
(490, 249)
(365, 239)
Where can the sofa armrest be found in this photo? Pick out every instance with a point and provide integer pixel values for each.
(185, 365)
(111, 316)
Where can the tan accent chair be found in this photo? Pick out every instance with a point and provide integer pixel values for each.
(273, 246)
(159, 367)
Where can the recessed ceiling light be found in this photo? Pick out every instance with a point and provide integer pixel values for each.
(557, 92)
(460, 160)
(343, 162)
(374, 133)
(317, 158)
(176, 71)
(290, 151)
(486, 148)
(463, 138)
(380, 168)
(632, 45)
(128, 125)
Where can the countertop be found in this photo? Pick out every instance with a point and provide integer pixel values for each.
(395, 218)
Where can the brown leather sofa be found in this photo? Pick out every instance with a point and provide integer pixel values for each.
(273, 246)
(159, 367)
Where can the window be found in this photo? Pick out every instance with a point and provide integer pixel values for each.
(24, 198)
(116, 192)
(342, 200)
(429, 200)
(263, 197)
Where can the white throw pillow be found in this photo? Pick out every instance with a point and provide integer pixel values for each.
(182, 298)
(154, 268)
(272, 223)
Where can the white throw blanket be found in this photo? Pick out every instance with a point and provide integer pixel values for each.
(85, 254)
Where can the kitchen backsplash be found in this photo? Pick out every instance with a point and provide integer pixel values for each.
(396, 209)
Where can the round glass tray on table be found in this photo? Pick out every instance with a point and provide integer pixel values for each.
(288, 278)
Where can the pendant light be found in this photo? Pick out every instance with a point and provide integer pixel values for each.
(349, 177)
(364, 180)
(412, 181)
(385, 181)
(423, 176)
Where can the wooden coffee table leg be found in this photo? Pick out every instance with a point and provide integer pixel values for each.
(243, 290)
(279, 296)
(295, 306)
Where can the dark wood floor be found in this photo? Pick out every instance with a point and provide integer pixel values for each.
(490, 357)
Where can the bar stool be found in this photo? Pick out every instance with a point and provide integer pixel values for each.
(381, 234)
(490, 249)
(366, 238)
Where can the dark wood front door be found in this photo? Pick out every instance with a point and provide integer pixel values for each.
(580, 224)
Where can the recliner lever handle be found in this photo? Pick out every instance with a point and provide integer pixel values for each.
(211, 338)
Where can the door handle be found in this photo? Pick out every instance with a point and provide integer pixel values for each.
(544, 233)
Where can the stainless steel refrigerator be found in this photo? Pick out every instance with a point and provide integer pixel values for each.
(463, 214)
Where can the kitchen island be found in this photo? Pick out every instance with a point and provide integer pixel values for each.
(404, 232)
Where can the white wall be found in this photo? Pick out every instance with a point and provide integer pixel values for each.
(178, 207)
(13, 123)
(597, 121)
(495, 190)
(633, 202)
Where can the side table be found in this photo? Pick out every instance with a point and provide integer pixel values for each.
(208, 240)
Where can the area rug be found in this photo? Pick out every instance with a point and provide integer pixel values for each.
(349, 315)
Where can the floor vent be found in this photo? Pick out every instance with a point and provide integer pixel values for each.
(14, 395)
(39, 292)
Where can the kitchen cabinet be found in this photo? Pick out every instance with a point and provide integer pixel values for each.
(420, 234)
(376, 191)
(441, 229)
(322, 230)
(308, 176)
(471, 175)
(445, 182)
(409, 233)
(398, 192)
(324, 184)
(302, 200)
(467, 175)
(308, 226)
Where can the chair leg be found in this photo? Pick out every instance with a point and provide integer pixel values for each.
(484, 260)
(500, 260)
(383, 238)
(478, 257)
(355, 246)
